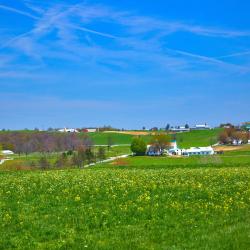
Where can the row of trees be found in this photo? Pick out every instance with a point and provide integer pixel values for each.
(167, 128)
(79, 158)
(228, 135)
(28, 142)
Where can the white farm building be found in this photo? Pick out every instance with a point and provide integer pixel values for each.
(68, 130)
(174, 150)
(198, 151)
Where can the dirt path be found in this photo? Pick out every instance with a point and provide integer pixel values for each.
(107, 160)
(130, 132)
(4, 160)
(231, 148)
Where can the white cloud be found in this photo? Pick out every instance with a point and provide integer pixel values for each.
(17, 11)
(74, 38)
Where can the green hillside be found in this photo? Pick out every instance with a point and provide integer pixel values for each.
(103, 138)
(197, 138)
(193, 138)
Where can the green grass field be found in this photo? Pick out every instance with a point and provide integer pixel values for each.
(184, 140)
(102, 138)
(196, 138)
(229, 159)
(136, 203)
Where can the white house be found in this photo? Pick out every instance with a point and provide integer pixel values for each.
(153, 151)
(237, 142)
(174, 150)
(6, 152)
(68, 130)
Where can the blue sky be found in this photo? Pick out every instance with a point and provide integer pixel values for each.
(125, 63)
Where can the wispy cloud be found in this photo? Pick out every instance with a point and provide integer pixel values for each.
(244, 53)
(17, 11)
(137, 38)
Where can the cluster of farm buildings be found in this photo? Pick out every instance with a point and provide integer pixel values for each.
(175, 150)
(74, 130)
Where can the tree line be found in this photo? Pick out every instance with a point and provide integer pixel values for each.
(29, 142)
(79, 158)
(229, 135)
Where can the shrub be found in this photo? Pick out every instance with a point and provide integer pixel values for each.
(138, 146)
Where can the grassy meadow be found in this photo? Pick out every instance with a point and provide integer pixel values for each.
(185, 140)
(198, 138)
(134, 203)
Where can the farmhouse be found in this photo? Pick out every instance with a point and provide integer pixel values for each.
(153, 151)
(68, 130)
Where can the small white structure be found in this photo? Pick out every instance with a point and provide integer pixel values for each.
(180, 129)
(91, 130)
(201, 126)
(174, 150)
(198, 151)
(6, 152)
(237, 142)
(248, 142)
(68, 130)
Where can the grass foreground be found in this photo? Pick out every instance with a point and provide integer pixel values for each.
(101, 208)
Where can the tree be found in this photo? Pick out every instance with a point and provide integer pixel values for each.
(154, 129)
(62, 161)
(223, 137)
(101, 154)
(186, 126)
(160, 141)
(226, 125)
(89, 155)
(77, 160)
(110, 142)
(138, 146)
(167, 127)
(43, 163)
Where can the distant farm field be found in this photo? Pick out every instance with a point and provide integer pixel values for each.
(152, 208)
(193, 138)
